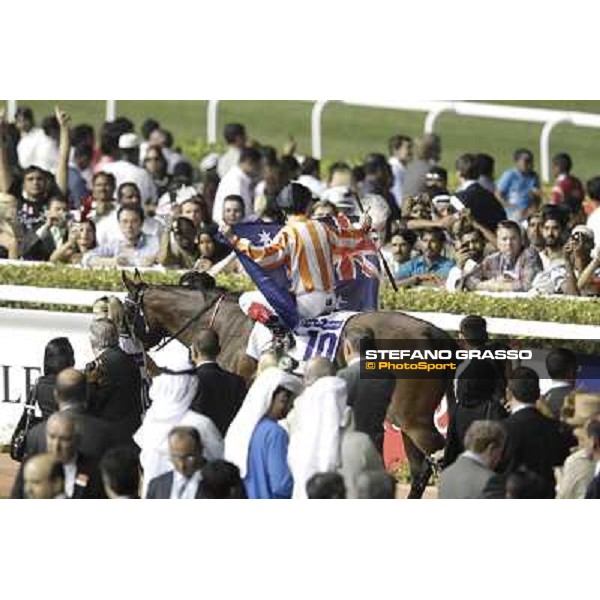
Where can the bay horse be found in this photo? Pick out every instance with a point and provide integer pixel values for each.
(170, 311)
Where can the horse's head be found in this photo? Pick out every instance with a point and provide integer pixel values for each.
(140, 324)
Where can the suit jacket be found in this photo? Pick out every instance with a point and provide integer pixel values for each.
(484, 206)
(467, 478)
(369, 399)
(39, 247)
(538, 443)
(116, 396)
(593, 490)
(88, 481)
(220, 395)
(159, 488)
(96, 436)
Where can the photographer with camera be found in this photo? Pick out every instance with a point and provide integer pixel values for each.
(40, 243)
(81, 239)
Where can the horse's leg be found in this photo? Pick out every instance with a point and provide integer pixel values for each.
(412, 408)
(420, 469)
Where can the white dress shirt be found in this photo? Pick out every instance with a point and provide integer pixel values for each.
(125, 172)
(399, 172)
(70, 470)
(185, 489)
(234, 182)
(108, 230)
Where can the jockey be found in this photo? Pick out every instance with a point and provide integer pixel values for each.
(306, 247)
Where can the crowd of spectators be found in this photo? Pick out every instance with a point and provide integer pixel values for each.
(205, 433)
(71, 195)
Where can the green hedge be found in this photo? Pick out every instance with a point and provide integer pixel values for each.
(531, 309)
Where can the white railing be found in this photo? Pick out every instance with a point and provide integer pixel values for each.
(549, 118)
(448, 321)
(546, 117)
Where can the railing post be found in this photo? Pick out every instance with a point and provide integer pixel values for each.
(11, 110)
(211, 121)
(111, 110)
(317, 111)
(432, 116)
(545, 145)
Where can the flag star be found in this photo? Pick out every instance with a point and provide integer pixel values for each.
(264, 237)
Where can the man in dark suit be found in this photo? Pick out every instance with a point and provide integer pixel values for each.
(185, 481)
(484, 206)
(69, 394)
(369, 398)
(41, 243)
(561, 364)
(533, 440)
(220, 393)
(82, 477)
(114, 382)
(472, 474)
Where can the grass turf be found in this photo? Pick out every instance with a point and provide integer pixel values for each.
(350, 132)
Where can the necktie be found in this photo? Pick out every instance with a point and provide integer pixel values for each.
(182, 489)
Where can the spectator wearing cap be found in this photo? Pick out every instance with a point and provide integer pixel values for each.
(579, 273)
(236, 139)
(519, 188)
(483, 205)
(126, 169)
(436, 182)
(240, 180)
(431, 268)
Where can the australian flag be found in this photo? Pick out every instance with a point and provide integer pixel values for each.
(357, 272)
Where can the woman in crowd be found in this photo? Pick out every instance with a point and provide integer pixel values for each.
(82, 237)
(58, 355)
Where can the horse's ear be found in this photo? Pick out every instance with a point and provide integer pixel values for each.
(137, 278)
(128, 283)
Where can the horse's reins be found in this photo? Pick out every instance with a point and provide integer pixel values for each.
(216, 304)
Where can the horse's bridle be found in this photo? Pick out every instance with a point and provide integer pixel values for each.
(138, 305)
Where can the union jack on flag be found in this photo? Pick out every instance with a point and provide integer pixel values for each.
(357, 263)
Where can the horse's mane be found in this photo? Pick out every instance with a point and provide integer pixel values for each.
(184, 290)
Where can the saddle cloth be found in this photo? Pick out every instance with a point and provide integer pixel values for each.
(318, 336)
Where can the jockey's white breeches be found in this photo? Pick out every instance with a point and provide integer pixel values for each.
(310, 305)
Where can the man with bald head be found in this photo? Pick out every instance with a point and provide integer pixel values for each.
(82, 478)
(70, 396)
(44, 478)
